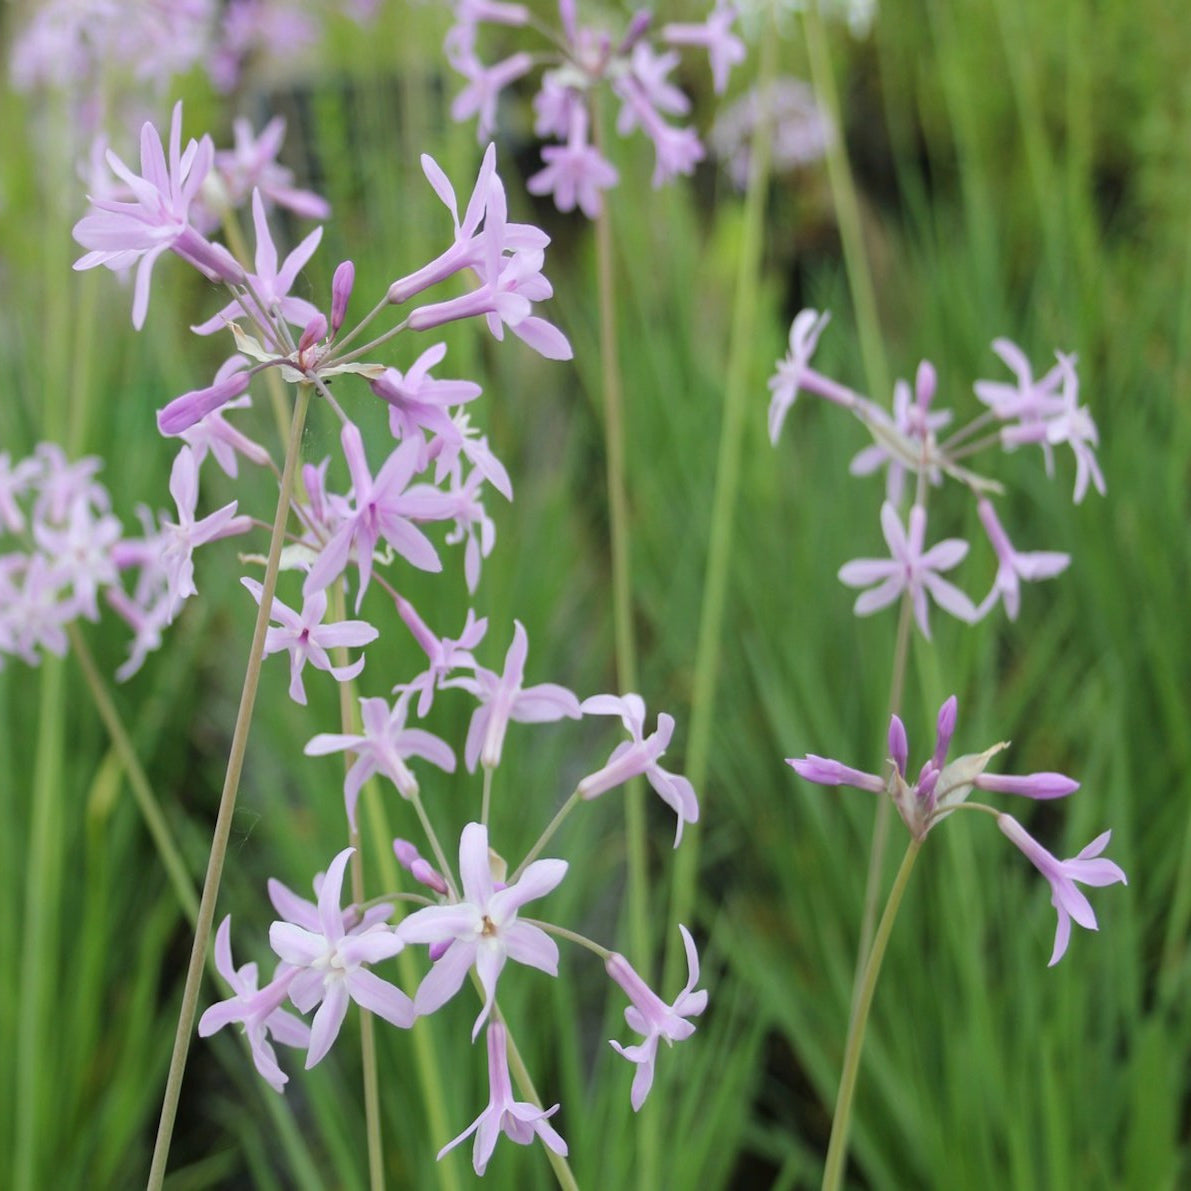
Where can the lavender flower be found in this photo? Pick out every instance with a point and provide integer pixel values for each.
(330, 963)
(258, 1011)
(383, 749)
(910, 569)
(502, 698)
(640, 756)
(517, 1119)
(1087, 867)
(121, 234)
(648, 1014)
(304, 636)
(482, 929)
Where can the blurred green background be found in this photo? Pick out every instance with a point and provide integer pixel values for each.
(1022, 169)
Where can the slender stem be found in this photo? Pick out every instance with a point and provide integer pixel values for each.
(571, 937)
(543, 839)
(227, 803)
(622, 588)
(142, 791)
(486, 797)
(235, 238)
(723, 506)
(431, 1078)
(847, 206)
(837, 1147)
(39, 951)
(559, 1164)
(876, 854)
(432, 837)
(372, 1119)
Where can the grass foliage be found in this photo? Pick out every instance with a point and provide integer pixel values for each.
(1023, 170)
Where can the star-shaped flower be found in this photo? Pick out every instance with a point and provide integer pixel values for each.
(483, 928)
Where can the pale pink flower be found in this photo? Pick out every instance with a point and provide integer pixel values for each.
(640, 756)
(792, 370)
(518, 1120)
(724, 48)
(120, 234)
(384, 748)
(482, 929)
(257, 1010)
(331, 967)
(1013, 565)
(1087, 867)
(304, 636)
(502, 698)
(648, 1014)
(910, 569)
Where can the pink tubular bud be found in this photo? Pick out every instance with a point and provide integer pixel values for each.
(899, 749)
(637, 28)
(183, 412)
(945, 730)
(315, 329)
(423, 871)
(1033, 785)
(924, 385)
(831, 773)
(341, 291)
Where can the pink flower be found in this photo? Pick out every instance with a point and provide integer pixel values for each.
(180, 538)
(502, 698)
(252, 163)
(648, 1014)
(119, 234)
(383, 749)
(910, 569)
(269, 283)
(382, 510)
(517, 1119)
(640, 756)
(258, 1011)
(331, 966)
(445, 654)
(306, 638)
(1087, 867)
(792, 370)
(482, 928)
(484, 86)
(1013, 565)
(576, 173)
(724, 49)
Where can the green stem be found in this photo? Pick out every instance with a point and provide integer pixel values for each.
(372, 1121)
(543, 839)
(430, 1076)
(558, 1163)
(847, 207)
(876, 855)
(227, 802)
(622, 598)
(837, 1148)
(142, 791)
(39, 950)
(723, 506)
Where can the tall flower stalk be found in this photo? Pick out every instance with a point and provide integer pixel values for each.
(906, 443)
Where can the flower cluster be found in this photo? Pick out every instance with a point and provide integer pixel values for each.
(787, 112)
(348, 545)
(942, 787)
(101, 53)
(906, 444)
(582, 58)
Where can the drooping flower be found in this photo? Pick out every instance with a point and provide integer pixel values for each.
(482, 929)
(502, 698)
(1087, 866)
(445, 654)
(640, 756)
(383, 749)
(648, 1014)
(910, 569)
(1014, 565)
(517, 1119)
(307, 639)
(259, 1011)
(120, 234)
